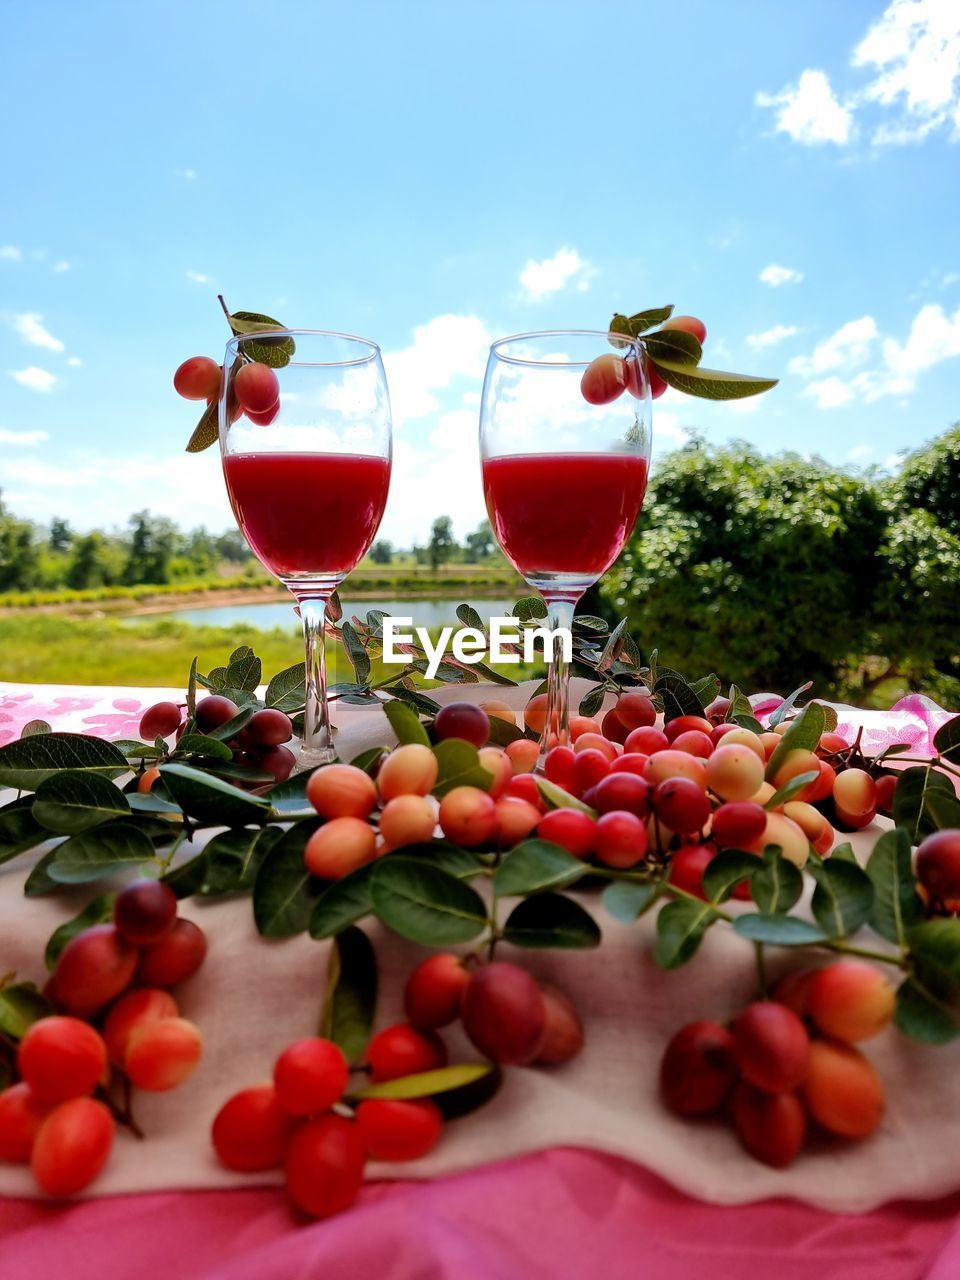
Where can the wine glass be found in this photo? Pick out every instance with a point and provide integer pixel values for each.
(308, 476)
(565, 452)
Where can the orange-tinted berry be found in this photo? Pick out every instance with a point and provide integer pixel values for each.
(851, 1000)
(523, 755)
(131, 1012)
(688, 324)
(468, 816)
(338, 847)
(256, 387)
(497, 763)
(604, 379)
(410, 770)
(344, 791)
(161, 1055)
(198, 378)
(407, 820)
(516, 818)
(842, 1091)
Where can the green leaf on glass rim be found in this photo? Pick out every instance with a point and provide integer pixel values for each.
(912, 796)
(405, 723)
(777, 884)
(19, 829)
(26, 763)
(98, 911)
(100, 852)
(556, 798)
(427, 1084)
(592, 700)
(33, 727)
(68, 802)
(803, 734)
(843, 898)
(284, 892)
(342, 903)
(287, 690)
(947, 739)
(896, 904)
(640, 321)
(211, 801)
(710, 384)
(787, 704)
(535, 865)
(674, 345)
(21, 1005)
(791, 788)
(777, 930)
(351, 1000)
(726, 870)
(425, 904)
(207, 430)
(680, 929)
(273, 351)
(551, 920)
(627, 902)
(459, 766)
(529, 609)
(923, 1014)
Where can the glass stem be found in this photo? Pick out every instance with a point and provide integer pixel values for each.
(560, 608)
(317, 739)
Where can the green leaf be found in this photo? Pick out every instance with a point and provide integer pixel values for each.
(787, 704)
(33, 727)
(469, 617)
(414, 698)
(359, 658)
(556, 798)
(924, 1015)
(947, 739)
(425, 904)
(896, 904)
(706, 688)
(726, 870)
(459, 766)
(640, 322)
(211, 801)
(627, 902)
(803, 735)
(551, 920)
(777, 884)
(245, 672)
(351, 1001)
(369, 760)
(448, 857)
(843, 898)
(229, 730)
(26, 763)
(234, 858)
(911, 800)
(342, 903)
(405, 723)
(589, 623)
(199, 744)
(778, 931)
(21, 1005)
(943, 809)
(680, 929)
(592, 700)
(186, 878)
(275, 352)
(287, 690)
(678, 698)
(710, 384)
(935, 945)
(791, 788)
(192, 690)
(427, 1084)
(289, 798)
(284, 892)
(674, 345)
(502, 732)
(842, 853)
(536, 865)
(19, 829)
(207, 430)
(98, 911)
(100, 852)
(38, 882)
(529, 609)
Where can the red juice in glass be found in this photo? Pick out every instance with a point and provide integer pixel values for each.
(563, 512)
(307, 513)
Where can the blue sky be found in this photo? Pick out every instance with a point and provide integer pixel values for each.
(435, 175)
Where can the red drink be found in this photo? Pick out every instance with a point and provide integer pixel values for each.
(563, 512)
(307, 513)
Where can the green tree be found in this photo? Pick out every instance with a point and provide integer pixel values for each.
(61, 535)
(382, 552)
(480, 544)
(929, 480)
(19, 553)
(443, 544)
(87, 567)
(153, 543)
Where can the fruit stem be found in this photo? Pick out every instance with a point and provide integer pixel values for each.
(761, 969)
(225, 310)
(844, 948)
(124, 1115)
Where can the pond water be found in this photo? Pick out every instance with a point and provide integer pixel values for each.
(279, 613)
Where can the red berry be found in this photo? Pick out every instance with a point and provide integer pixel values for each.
(682, 805)
(558, 766)
(619, 839)
(635, 710)
(737, 823)
(310, 1076)
(256, 387)
(504, 1013)
(771, 1046)
(264, 419)
(324, 1166)
(570, 829)
(612, 727)
(176, 957)
(646, 740)
(94, 968)
(72, 1146)
(589, 767)
(604, 379)
(61, 1058)
(938, 864)
(399, 1130)
(523, 786)
(144, 911)
(21, 1114)
(623, 791)
(886, 785)
(687, 867)
(197, 379)
(402, 1050)
(563, 1033)
(697, 1071)
(270, 728)
(772, 1126)
(694, 741)
(159, 721)
(279, 761)
(432, 995)
(464, 720)
(688, 324)
(251, 1131)
(131, 1012)
(214, 711)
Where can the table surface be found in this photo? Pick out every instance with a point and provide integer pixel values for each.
(555, 1213)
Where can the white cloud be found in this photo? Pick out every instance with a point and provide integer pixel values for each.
(74, 362)
(197, 277)
(859, 452)
(770, 337)
(188, 175)
(32, 330)
(33, 379)
(444, 349)
(10, 253)
(61, 266)
(849, 346)
(949, 278)
(775, 276)
(541, 279)
(24, 438)
(829, 393)
(809, 112)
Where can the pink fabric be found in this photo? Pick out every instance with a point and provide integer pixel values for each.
(561, 1213)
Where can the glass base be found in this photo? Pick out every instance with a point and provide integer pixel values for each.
(310, 757)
